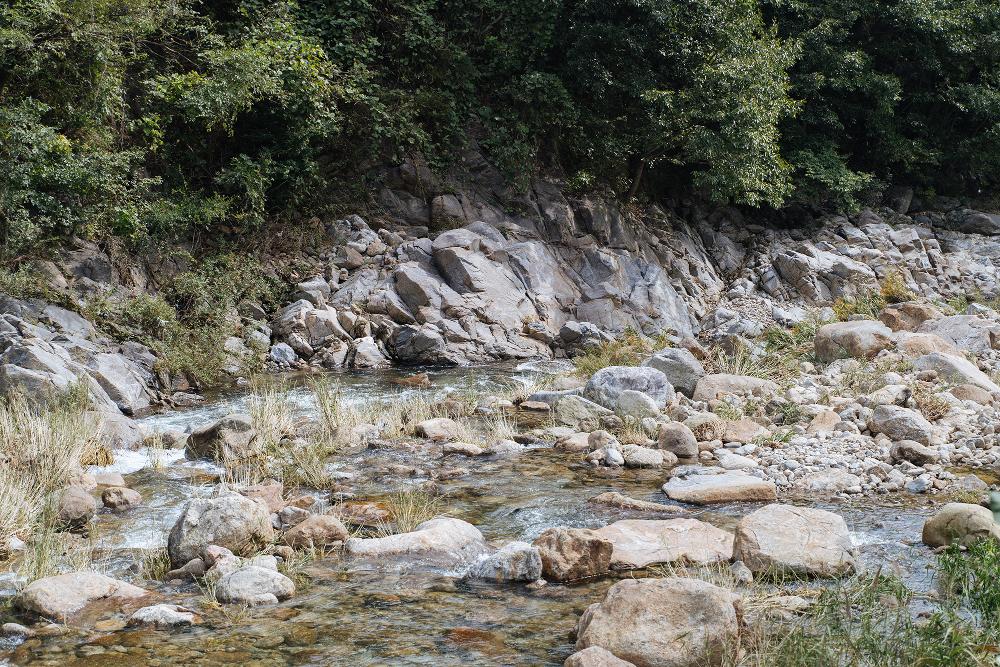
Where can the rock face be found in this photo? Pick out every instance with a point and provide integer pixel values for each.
(515, 561)
(727, 487)
(569, 554)
(901, 423)
(639, 543)
(441, 542)
(62, 596)
(960, 522)
(224, 440)
(781, 539)
(662, 622)
(680, 367)
(861, 339)
(228, 520)
(605, 387)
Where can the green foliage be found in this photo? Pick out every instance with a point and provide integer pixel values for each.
(187, 119)
(901, 90)
(188, 322)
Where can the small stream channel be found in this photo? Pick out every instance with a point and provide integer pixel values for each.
(358, 617)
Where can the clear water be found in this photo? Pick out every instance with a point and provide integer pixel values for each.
(347, 616)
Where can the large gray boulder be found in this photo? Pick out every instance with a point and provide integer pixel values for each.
(966, 332)
(441, 542)
(515, 561)
(963, 523)
(955, 369)
(781, 539)
(669, 622)
(605, 387)
(227, 439)
(860, 339)
(680, 367)
(640, 543)
(254, 585)
(899, 423)
(228, 520)
(62, 596)
(725, 487)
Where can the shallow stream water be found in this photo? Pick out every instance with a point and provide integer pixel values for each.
(348, 615)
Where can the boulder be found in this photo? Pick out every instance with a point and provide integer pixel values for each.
(960, 522)
(782, 539)
(678, 439)
(636, 404)
(595, 656)
(569, 554)
(366, 354)
(918, 344)
(914, 452)
(163, 616)
(823, 422)
(637, 456)
(742, 430)
(718, 385)
(227, 520)
(254, 585)
(75, 507)
(670, 622)
(705, 426)
(62, 596)
(578, 412)
(639, 543)
(724, 487)
(606, 385)
(443, 542)
(955, 369)
(908, 316)
(680, 367)
(317, 530)
(899, 423)
(227, 439)
(120, 498)
(971, 392)
(966, 332)
(858, 339)
(439, 428)
(515, 561)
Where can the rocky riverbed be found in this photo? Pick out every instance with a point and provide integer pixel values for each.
(443, 598)
(688, 418)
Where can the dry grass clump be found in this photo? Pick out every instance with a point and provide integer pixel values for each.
(42, 447)
(629, 349)
(893, 288)
(931, 404)
(408, 509)
(742, 361)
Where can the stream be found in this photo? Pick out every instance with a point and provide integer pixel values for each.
(348, 615)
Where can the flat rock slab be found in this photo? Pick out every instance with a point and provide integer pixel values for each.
(63, 596)
(640, 543)
(727, 487)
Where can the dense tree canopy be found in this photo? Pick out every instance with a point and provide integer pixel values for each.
(143, 117)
